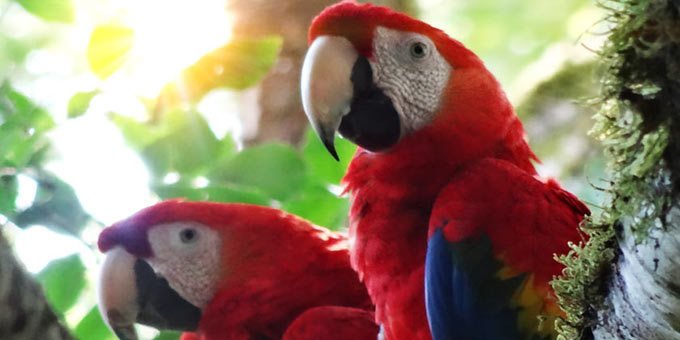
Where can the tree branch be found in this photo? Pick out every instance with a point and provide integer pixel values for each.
(24, 312)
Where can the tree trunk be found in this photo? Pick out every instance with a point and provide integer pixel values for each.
(24, 312)
(625, 282)
(644, 300)
(272, 111)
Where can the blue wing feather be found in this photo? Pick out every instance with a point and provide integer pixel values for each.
(439, 288)
(464, 297)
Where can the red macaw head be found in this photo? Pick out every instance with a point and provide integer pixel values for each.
(378, 77)
(181, 265)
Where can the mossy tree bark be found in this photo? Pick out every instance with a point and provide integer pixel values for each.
(625, 282)
(24, 312)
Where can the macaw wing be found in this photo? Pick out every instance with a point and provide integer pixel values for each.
(465, 299)
(493, 233)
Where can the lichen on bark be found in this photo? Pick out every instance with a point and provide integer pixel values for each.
(639, 127)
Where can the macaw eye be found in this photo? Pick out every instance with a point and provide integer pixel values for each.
(188, 235)
(418, 50)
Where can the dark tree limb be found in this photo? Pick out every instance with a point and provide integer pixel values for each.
(24, 312)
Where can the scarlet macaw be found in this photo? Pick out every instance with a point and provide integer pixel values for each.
(230, 271)
(452, 230)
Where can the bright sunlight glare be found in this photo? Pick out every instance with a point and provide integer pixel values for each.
(171, 35)
(35, 246)
(108, 177)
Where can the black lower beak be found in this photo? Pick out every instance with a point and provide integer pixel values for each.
(159, 305)
(372, 122)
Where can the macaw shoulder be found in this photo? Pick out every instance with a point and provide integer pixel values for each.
(527, 219)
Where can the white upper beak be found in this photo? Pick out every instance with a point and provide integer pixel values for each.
(117, 293)
(326, 85)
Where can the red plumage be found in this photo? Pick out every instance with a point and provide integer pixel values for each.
(537, 218)
(327, 322)
(395, 191)
(332, 323)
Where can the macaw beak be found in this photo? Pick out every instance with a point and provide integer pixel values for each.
(130, 292)
(338, 94)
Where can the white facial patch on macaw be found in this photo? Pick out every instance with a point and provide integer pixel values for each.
(187, 254)
(408, 67)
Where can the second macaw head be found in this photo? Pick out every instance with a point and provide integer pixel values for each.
(236, 270)
(378, 76)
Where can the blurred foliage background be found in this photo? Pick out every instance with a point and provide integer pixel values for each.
(108, 106)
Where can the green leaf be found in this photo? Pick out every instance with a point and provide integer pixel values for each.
(22, 127)
(80, 102)
(168, 335)
(56, 206)
(228, 147)
(243, 62)
(9, 190)
(109, 48)
(277, 170)
(50, 10)
(317, 204)
(16, 146)
(13, 51)
(213, 192)
(137, 134)
(40, 152)
(180, 141)
(63, 280)
(92, 327)
(321, 164)
(188, 145)
(22, 112)
(238, 65)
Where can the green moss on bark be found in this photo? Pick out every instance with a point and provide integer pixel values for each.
(580, 289)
